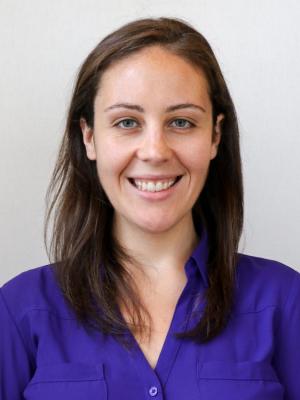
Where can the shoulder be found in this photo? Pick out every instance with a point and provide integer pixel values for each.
(263, 268)
(34, 289)
(264, 283)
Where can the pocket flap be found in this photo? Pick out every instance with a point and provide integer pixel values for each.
(236, 370)
(68, 372)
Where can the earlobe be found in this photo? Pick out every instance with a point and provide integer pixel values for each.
(88, 139)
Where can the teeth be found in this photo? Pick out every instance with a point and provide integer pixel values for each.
(153, 186)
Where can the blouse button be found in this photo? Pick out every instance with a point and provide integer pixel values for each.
(153, 391)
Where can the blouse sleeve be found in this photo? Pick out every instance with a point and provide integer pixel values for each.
(15, 365)
(287, 347)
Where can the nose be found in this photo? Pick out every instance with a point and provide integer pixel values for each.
(154, 146)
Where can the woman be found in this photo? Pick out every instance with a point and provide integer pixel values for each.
(146, 295)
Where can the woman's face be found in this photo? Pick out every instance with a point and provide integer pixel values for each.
(142, 147)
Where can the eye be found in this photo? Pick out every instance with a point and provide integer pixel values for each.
(126, 126)
(127, 123)
(183, 123)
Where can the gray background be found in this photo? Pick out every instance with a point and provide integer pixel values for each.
(42, 46)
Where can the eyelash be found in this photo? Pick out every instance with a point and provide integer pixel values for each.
(177, 119)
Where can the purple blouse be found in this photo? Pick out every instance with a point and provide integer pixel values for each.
(45, 354)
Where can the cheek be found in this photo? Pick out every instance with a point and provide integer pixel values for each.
(197, 158)
(111, 161)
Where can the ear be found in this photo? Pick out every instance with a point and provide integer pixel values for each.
(216, 136)
(88, 139)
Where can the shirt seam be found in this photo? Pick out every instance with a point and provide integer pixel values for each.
(289, 296)
(65, 380)
(257, 311)
(23, 341)
(45, 310)
(287, 301)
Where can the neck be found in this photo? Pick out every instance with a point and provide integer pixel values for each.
(163, 253)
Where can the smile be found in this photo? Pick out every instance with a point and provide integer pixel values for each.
(150, 186)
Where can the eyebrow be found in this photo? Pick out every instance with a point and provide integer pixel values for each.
(168, 109)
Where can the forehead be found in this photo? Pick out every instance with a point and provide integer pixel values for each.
(155, 73)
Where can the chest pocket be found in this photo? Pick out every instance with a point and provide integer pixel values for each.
(66, 381)
(224, 380)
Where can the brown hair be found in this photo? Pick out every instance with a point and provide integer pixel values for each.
(88, 260)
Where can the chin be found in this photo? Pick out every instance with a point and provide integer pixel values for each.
(155, 226)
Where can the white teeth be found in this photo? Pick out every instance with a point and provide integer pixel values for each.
(153, 187)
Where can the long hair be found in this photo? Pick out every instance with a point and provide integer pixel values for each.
(88, 260)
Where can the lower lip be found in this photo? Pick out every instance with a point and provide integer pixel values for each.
(162, 195)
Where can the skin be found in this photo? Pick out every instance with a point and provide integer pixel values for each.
(160, 234)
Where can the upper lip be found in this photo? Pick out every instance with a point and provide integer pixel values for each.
(154, 177)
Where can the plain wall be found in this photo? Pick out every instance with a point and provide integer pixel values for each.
(43, 44)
